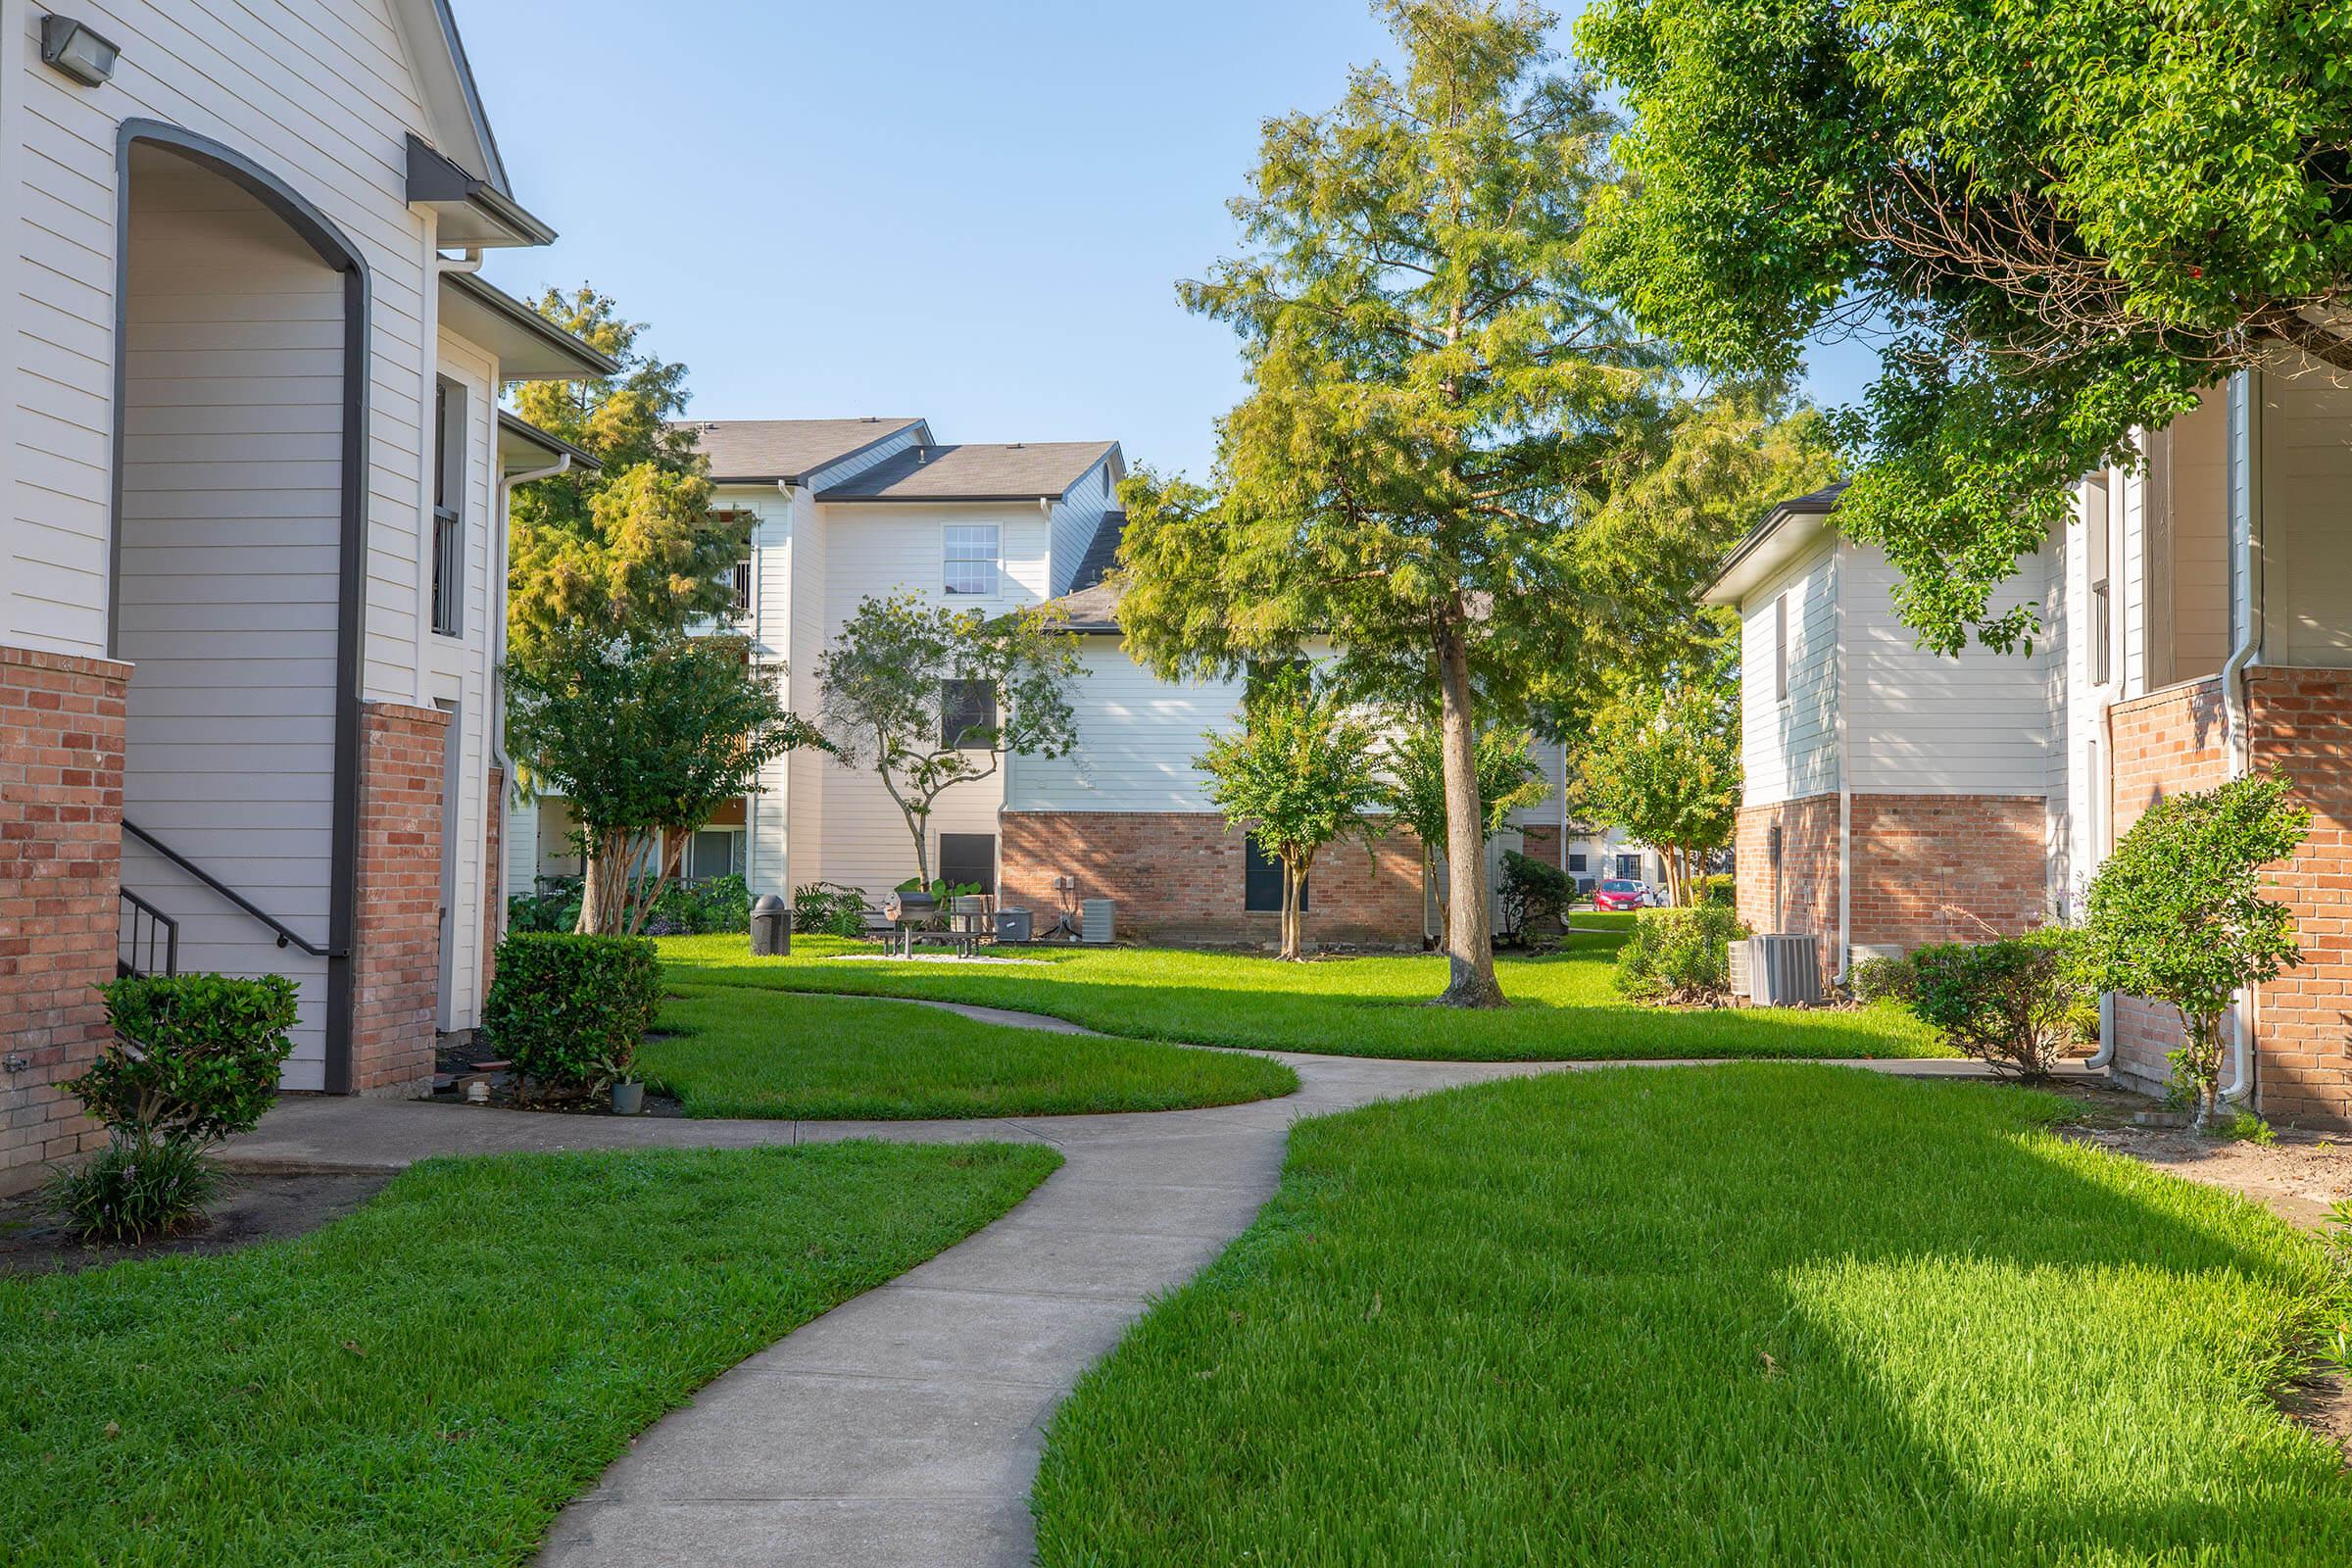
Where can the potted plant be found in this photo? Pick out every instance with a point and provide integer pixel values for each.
(628, 1089)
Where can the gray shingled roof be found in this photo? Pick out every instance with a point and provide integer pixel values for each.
(1092, 609)
(1102, 552)
(974, 473)
(767, 450)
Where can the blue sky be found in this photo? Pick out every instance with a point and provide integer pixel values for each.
(975, 213)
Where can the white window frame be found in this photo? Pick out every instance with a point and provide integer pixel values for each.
(1779, 646)
(961, 544)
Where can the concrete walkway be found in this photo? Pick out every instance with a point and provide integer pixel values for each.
(904, 1427)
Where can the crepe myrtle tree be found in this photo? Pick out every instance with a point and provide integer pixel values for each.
(2176, 912)
(648, 736)
(1660, 761)
(1303, 774)
(1415, 789)
(928, 696)
(2059, 220)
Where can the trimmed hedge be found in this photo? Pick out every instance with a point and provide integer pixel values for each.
(568, 1010)
(194, 1057)
(2010, 1002)
(1875, 979)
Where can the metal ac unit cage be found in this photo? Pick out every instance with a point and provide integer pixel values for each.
(1095, 920)
(1784, 970)
(1742, 986)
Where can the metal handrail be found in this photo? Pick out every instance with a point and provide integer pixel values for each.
(286, 935)
(157, 920)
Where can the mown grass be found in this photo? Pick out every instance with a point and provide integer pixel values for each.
(429, 1379)
(1755, 1314)
(1564, 1006)
(744, 1050)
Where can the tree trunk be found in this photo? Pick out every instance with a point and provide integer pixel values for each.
(2204, 1042)
(591, 889)
(1469, 941)
(1429, 874)
(1288, 948)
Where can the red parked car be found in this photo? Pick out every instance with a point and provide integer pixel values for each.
(1623, 893)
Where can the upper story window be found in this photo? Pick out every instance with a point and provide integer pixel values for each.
(1779, 648)
(974, 551)
(449, 517)
(2099, 548)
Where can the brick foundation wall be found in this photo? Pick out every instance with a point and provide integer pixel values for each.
(1807, 873)
(61, 722)
(2165, 742)
(396, 948)
(1932, 868)
(2301, 723)
(1178, 877)
(1541, 843)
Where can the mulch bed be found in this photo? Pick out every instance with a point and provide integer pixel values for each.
(253, 1206)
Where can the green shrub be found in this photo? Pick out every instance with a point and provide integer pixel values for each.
(830, 908)
(194, 1057)
(556, 907)
(1720, 887)
(132, 1189)
(1682, 956)
(2009, 1003)
(2244, 1126)
(1535, 893)
(697, 908)
(1876, 979)
(568, 1010)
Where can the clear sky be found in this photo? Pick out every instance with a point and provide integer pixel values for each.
(972, 213)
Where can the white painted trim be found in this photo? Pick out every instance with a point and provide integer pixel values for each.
(1841, 695)
(16, 28)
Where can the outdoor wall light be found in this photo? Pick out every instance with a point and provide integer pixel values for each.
(73, 48)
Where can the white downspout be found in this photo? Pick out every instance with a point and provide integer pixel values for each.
(2110, 692)
(500, 546)
(2246, 535)
(1845, 792)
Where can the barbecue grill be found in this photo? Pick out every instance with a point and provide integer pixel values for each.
(909, 907)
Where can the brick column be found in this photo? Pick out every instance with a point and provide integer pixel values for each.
(396, 943)
(61, 873)
(2301, 722)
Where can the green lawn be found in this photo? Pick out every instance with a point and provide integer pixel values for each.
(741, 1051)
(1564, 1006)
(1757, 1314)
(429, 1379)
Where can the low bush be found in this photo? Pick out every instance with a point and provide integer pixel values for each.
(194, 1057)
(830, 908)
(1680, 956)
(1879, 979)
(2010, 1004)
(1535, 893)
(132, 1191)
(1720, 887)
(699, 909)
(554, 906)
(568, 1010)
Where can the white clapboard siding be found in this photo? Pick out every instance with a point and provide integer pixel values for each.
(2200, 472)
(1137, 738)
(1788, 749)
(320, 93)
(2307, 519)
(1923, 723)
(225, 617)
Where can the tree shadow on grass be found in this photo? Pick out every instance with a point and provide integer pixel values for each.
(1758, 1314)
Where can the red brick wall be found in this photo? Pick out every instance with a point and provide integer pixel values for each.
(61, 872)
(1947, 868)
(1178, 877)
(1807, 875)
(2301, 723)
(493, 874)
(396, 948)
(1541, 843)
(2165, 742)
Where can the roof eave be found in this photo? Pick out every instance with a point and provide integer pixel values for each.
(1787, 533)
(473, 210)
(544, 441)
(529, 347)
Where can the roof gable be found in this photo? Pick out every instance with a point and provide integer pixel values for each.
(445, 85)
(788, 451)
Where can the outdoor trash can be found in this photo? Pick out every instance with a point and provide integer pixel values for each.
(771, 929)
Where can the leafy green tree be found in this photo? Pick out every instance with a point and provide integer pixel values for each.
(2063, 217)
(2177, 914)
(1415, 791)
(928, 696)
(1303, 772)
(1433, 389)
(648, 736)
(1661, 761)
(635, 549)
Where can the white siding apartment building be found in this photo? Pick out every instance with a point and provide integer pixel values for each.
(2196, 624)
(251, 526)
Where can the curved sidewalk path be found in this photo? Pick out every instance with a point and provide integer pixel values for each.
(904, 1427)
